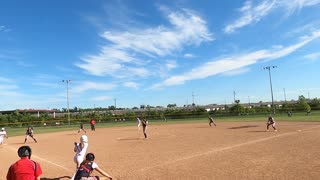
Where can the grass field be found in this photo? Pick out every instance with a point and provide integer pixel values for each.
(297, 117)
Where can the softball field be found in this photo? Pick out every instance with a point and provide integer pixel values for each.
(195, 151)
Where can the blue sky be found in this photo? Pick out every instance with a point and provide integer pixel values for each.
(157, 52)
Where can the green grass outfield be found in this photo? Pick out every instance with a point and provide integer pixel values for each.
(296, 117)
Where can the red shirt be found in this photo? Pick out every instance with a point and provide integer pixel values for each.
(24, 169)
(93, 122)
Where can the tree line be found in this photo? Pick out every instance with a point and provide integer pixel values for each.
(112, 114)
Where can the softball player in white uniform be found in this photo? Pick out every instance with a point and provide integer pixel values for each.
(3, 134)
(80, 149)
(139, 123)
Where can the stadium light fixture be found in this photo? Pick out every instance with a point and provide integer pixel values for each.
(67, 82)
(269, 69)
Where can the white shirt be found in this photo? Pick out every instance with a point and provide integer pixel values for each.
(94, 165)
(3, 134)
(81, 151)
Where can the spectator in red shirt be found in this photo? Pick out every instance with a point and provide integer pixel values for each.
(24, 168)
(93, 123)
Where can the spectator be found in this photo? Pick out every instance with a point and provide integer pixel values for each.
(24, 168)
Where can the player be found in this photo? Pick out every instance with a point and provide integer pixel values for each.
(145, 127)
(82, 128)
(80, 149)
(3, 134)
(86, 168)
(29, 132)
(92, 124)
(139, 123)
(272, 122)
(211, 121)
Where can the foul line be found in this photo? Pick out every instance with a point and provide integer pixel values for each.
(45, 160)
(216, 150)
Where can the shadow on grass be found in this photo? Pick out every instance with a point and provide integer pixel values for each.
(243, 127)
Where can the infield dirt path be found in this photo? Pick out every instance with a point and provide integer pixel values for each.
(232, 150)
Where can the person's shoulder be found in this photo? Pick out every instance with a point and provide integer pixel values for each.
(94, 165)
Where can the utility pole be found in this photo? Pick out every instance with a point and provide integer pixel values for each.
(269, 69)
(193, 99)
(115, 103)
(67, 82)
(285, 97)
(234, 96)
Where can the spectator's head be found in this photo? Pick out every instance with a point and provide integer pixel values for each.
(24, 151)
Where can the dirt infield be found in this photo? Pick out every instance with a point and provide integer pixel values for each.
(232, 150)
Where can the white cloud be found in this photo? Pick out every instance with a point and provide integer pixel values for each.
(188, 55)
(45, 84)
(8, 86)
(131, 85)
(250, 14)
(7, 80)
(236, 72)
(24, 64)
(126, 50)
(85, 86)
(296, 5)
(313, 56)
(4, 29)
(171, 65)
(236, 62)
(101, 98)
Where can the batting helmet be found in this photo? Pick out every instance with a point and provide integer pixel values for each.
(24, 151)
(90, 157)
(3, 129)
(84, 139)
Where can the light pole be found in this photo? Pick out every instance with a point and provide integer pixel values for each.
(285, 97)
(269, 68)
(67, 81)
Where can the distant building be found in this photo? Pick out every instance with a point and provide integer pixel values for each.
(35, 112)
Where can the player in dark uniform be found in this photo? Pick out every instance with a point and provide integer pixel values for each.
(82, 128)
(29, 132)
(211, 121)
(271, 122)
(144, 122)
